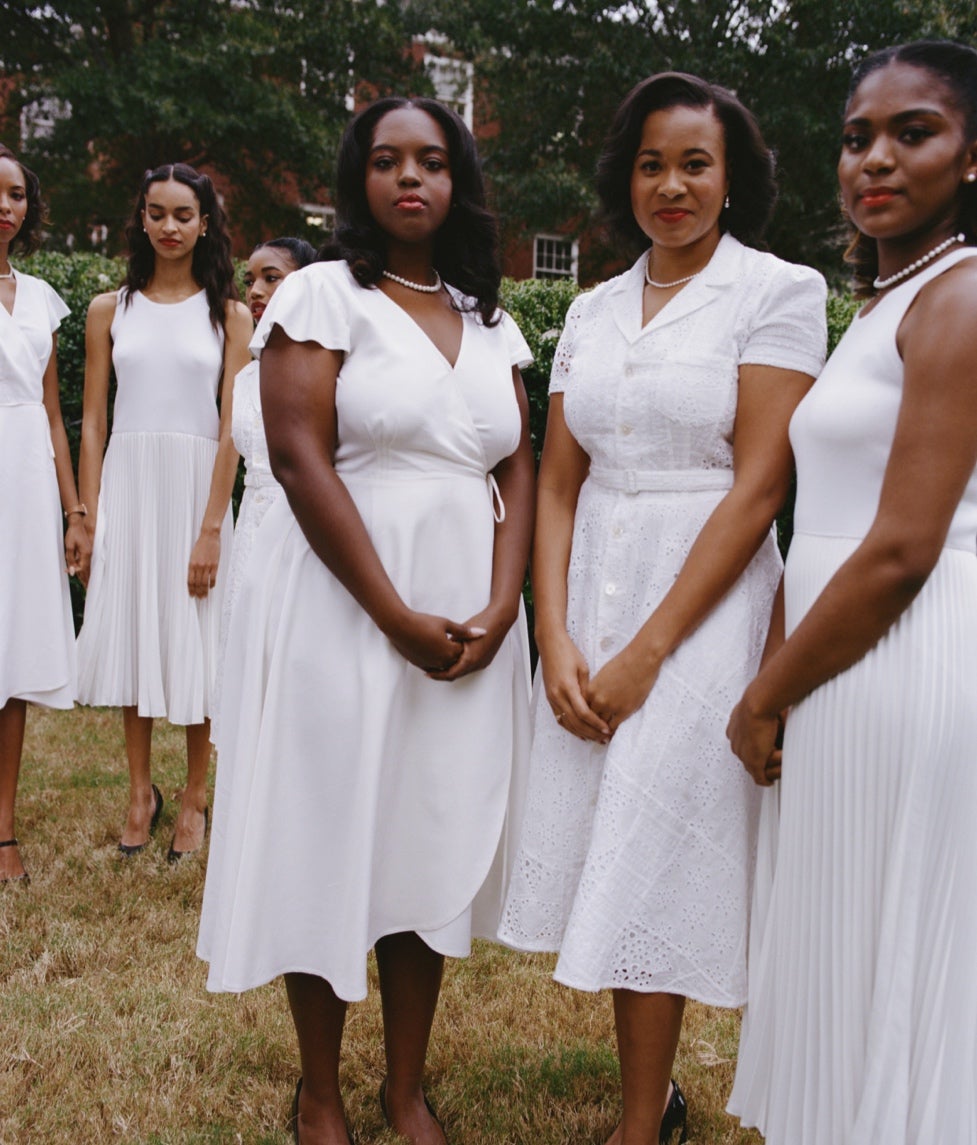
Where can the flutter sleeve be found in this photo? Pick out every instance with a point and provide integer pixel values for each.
(57, 310)
(519, 352)
(311, 305)
(790, 325)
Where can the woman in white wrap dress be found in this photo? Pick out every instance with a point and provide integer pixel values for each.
(37, 654)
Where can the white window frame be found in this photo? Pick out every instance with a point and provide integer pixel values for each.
(454, 83)
(545, 258)
(321, 217)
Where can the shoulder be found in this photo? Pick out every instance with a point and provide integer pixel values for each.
(102, 307)
(943, 310)
(237, 319)
(41, 293)
(774, 271)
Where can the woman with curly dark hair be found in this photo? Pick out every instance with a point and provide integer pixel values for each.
(159, 509)
(376, 678)
(37, 654)
(654, 564)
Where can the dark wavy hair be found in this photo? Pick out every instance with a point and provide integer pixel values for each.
(749, 162)
(465, 248)
(298, 250)
(212, 267)
(955, 66)
(28, 238)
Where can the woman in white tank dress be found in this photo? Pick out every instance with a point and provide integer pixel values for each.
(270, 264)
(862, 1017)
(376, 684)
(654, 565)
(37, 636)
(150, 636)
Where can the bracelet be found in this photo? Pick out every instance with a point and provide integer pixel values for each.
(81, 507)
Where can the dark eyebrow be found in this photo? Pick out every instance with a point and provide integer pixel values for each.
(424, 150)
(688, 151)
(901, 117)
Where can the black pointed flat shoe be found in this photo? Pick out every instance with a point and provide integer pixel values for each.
(673, 1122)
(173, 856)
(130, 849)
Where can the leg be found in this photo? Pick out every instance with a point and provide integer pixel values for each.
(13, 720)
(319, 1017)
(190, 822)
(142, 802)
(648, 1028)
(410, 982)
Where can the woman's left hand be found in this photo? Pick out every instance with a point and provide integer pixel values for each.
(78, 549)
(489, 629)
(204, 559)
(620, 687)
(755, 740)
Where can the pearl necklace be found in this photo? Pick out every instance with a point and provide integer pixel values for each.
(415, 285)
(667, 285)
(885, 283)
(6, 276)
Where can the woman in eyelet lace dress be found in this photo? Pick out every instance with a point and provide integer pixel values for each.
(666, 460)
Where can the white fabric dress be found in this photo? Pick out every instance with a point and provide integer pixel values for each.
(355, 797)
(636, 858)
(145, 641)
(862, 1016)
(37, 635)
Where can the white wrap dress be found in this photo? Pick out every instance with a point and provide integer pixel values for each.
(37, 636)
(355, 796)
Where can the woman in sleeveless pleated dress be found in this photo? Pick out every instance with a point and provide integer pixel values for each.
(151, 630)
(861, 1026)
(37, 635)
(654, 566)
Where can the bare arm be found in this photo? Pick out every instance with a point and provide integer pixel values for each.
(933, 455)
(95, 411)
(563, 469)
(77, 540)
(298, 395)
(516, 480)
(205, 555)
(727, 542)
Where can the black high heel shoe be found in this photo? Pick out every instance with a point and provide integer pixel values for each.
(173, 856)
(129, 849)
(674, 1119)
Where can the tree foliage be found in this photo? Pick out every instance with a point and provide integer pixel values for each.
(256, 90)
(553, 71)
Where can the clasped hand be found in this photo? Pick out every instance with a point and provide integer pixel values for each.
(756, 740)
(447, 650)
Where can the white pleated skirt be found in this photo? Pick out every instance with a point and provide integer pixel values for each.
(862, 1017)
(146, 642)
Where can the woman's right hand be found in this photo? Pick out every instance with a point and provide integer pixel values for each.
(565, 676)
(432, 643)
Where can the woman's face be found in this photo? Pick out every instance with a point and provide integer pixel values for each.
(267, 268)
(13, 199)
(172, 219)
(408, 176)
(904, 156)
(679, 180)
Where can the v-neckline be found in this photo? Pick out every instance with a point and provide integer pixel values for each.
(452, 366)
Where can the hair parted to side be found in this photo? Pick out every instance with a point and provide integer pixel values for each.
(466, 246)
(299, 251)
(749, 162)
(955, 66)
(212, 267)
(28, 238)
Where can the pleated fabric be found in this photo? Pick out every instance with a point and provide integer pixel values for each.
(146, 642)
(860, 1027)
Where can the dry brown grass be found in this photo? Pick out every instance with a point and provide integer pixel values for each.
(110, 1036)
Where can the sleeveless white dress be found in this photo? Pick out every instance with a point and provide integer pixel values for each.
(145, 641)
(37, 635)
(356, 797)
(636, 859)
(862, 1017)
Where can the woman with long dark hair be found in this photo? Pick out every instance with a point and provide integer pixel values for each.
(861, 1026)
(376, 680)
(159, 498)
(37, 654)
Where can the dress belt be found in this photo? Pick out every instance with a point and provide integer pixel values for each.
(663, 480)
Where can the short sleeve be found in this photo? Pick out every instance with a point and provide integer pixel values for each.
(563, 356)
(790, 328)
(56, 306)
(311, 305)
(519, 352)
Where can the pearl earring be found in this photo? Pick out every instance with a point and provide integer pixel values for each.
(726, 203)
(971, 176)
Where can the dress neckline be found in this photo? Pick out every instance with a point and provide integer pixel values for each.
(452, 366)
